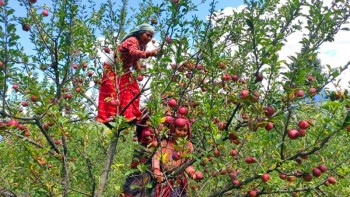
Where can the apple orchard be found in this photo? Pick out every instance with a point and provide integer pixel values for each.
(257, 127)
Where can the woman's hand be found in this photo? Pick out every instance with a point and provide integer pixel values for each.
(158, 175)
(152, 53)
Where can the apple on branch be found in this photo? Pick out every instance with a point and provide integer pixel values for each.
(25, 27)
(293, 134)
(265, 177)
(45, 12)
(244, 94)
(172, 102)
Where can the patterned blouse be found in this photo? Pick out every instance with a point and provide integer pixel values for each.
(131, 51)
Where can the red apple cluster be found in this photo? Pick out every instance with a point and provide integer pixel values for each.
(250, 160)
(301, 132)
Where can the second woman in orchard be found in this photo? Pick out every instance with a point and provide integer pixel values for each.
(120, 93)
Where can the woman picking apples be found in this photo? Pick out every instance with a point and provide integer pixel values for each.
(120, 93)
(171, 156)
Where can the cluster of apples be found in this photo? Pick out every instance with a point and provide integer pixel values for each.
(301, 132)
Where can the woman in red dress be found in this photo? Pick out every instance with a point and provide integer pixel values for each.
(120, 93)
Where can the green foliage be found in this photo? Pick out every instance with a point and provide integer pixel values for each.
(58, 149)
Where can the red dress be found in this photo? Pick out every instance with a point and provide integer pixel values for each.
(123, 88)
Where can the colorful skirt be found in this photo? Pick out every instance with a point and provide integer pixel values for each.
(118, 95)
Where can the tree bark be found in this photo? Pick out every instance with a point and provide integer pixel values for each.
(110, 157)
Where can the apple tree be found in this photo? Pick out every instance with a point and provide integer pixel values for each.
(257, 126)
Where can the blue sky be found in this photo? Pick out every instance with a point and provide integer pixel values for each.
(202, 13)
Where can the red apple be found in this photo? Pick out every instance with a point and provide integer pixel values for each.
(298, 160)
(12, 123)
(299, 93)
(78, 89)
(1, 2)
(45, 12)
(225, 77)
(222, 65)
(180, 122)
(252, 193)
(283, 176)
(233, 175)
(168, 39)
(269, 126)
(248, 160)
(293, 134)
(24, 103)
(216, 152)
(58, 142)
(25, 27)
(291, 178)
(32, 1)
(244, 94)
(90, 73)
(222, 126)
(234, 78)
(134, 164)
(68, 96)
(233, 152)
(199, 67)
(235, 182)
(307, 177)
(176, 156)
(199, 175)
(169, 119)
(154, 21)
(15, 86)
(139, 78)
(265, 177)
(172, 102)
(348, 128)
(316, 172)
(107, 50)
(312, 91)
(331, 180)
(223, 172)
(255, 97)
(33, 98)
(302, 132)
(75, 66)
(269, 111)
(232, 136)
(254, 160)
(310, 78)
(322, 167)
(1, 63)
(182, 110)
(259, 77)
(303, 124)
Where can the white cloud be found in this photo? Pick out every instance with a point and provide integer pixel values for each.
(331, 53)
(334, 53)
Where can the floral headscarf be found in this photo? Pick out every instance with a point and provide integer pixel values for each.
(142, 27)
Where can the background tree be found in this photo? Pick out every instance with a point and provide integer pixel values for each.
(254, 117)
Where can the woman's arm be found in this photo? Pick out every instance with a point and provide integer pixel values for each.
(190, 169)
(156, 166)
